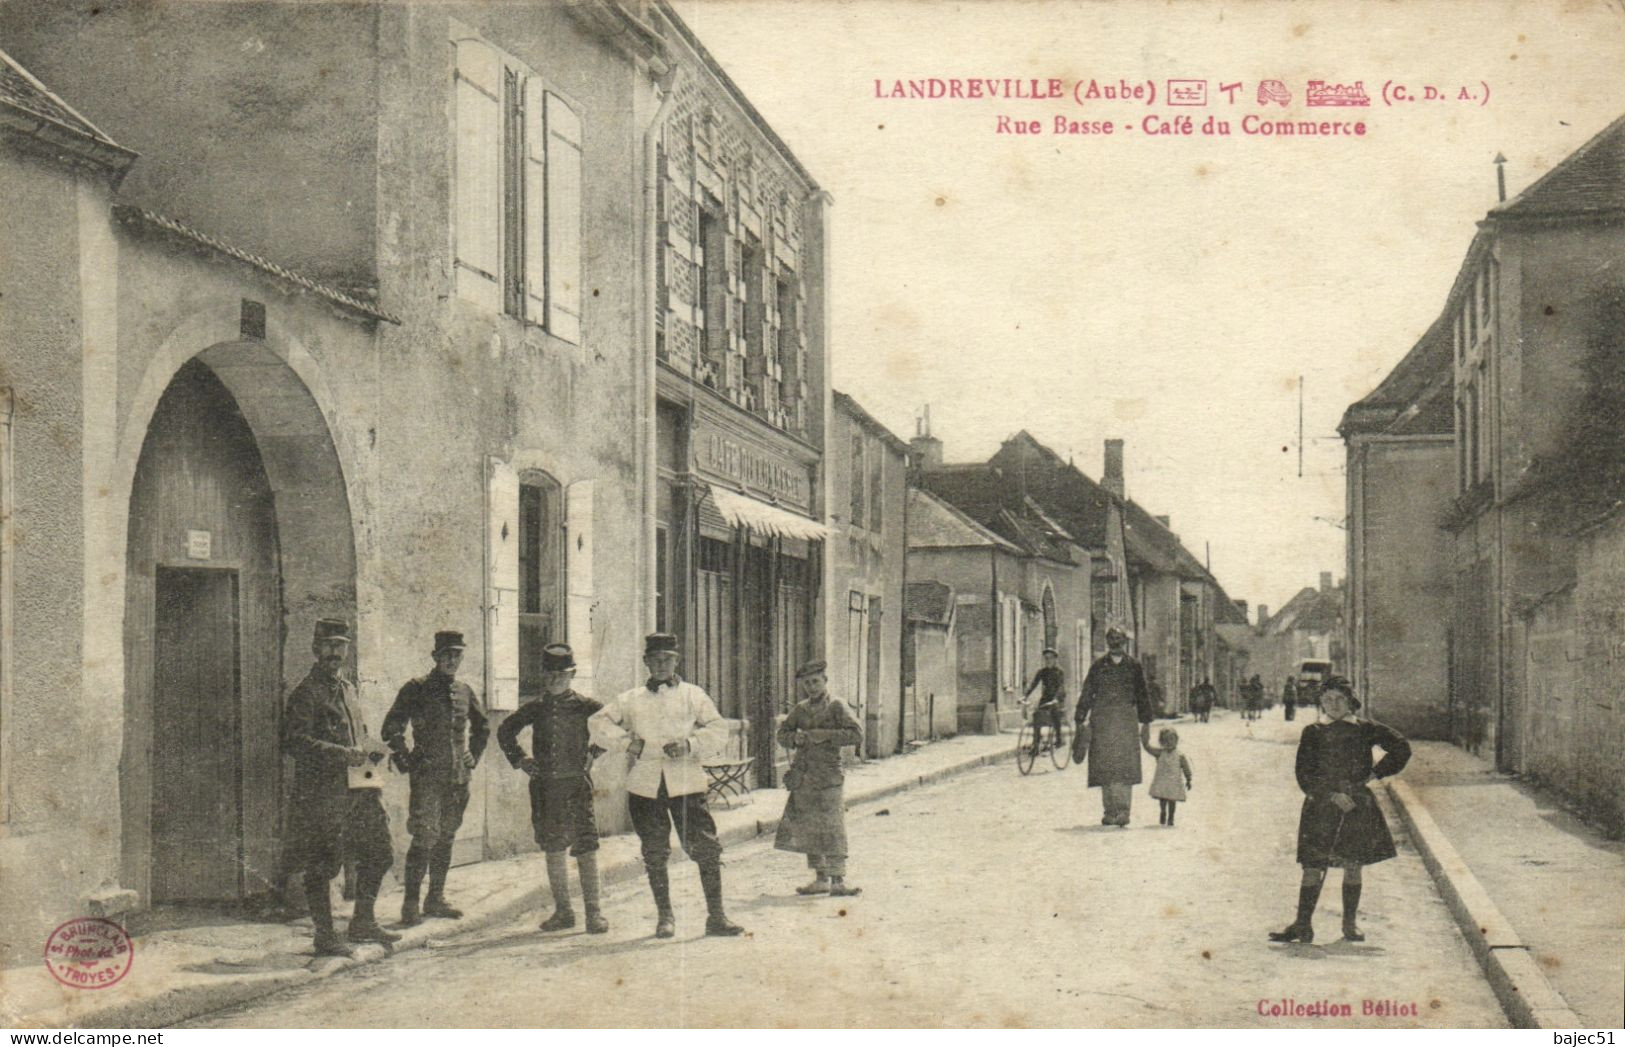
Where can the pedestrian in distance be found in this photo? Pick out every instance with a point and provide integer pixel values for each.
(449, 732)
(560, 770)
(1203, 697)
(1050, 699)
(814, 821)
(668, 726)
(1340, 823)
(1113, 706)
(1289, 697)
(324, 733)
(1172, 777)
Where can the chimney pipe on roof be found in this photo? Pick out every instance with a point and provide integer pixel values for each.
(925, 450)
(1113, 477)
(1325, 581)
(1263, 614)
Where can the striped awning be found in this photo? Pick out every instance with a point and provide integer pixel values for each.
(742, 510)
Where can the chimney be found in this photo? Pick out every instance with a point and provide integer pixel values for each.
(1113, 479)
(1164, 521)
(925, 450)
(1325, 581)
(1263, 614)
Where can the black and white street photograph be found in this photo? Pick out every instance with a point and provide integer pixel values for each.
(812, 514)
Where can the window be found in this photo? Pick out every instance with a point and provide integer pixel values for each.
(517, 198)
(713, 250)
(541, 577)
(1471, 435)
(662, 583)
(755, 315)
(877, 487)
(856, 484)
(789, 338)
(1461, 446)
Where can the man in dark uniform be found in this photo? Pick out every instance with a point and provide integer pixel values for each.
(1116, 702)
(560, 769)
(1289, 697)
(449, 732)
(322, 730)
(1048, 712)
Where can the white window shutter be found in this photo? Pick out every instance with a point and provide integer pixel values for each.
(535, 165)
(502, 586)
(478, 203)
(578, 533)
(563, 220)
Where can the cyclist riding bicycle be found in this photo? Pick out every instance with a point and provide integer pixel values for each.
(1048, 711)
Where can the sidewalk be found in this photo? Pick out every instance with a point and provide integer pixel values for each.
(181, 973)
(1539, 894)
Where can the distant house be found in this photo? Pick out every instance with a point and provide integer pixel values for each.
(930, 663)
(1309, 626)
(1401, 481)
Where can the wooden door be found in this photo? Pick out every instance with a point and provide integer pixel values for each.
(197, 831)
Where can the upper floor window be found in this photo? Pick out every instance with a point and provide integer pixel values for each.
(877, 486)
(517, 197)
(856, 482)
(713, 265)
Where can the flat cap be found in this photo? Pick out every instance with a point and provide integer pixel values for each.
(659, 643)
(332, 629)
(448, 640)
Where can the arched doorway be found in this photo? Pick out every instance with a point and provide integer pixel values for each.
(239, 536)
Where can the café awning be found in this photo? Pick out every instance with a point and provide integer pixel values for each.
(742, 510)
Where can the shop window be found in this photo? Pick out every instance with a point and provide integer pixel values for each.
(517, 193)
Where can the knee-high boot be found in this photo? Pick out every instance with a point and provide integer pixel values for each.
(317, 896)
(1302, 929)
(558, 881)
(417, 863)
(660, 887)
(591, 892)
(716, 922)
(439, 865)
(1351, 910)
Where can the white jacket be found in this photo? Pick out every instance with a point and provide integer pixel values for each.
(677, 712)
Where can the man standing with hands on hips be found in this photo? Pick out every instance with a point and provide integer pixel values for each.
(669, 725)
(449, 732)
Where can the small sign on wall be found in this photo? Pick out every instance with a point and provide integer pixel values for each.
(198, 545)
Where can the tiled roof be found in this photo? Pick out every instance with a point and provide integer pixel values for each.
(37, 113)
(1589, 180)
(931, 602)
(142, 217)
(934, 524)
(843, 402)
(1406, 400)
(20, 90)
(994, 499)
(1076, 502)
(1312, 610)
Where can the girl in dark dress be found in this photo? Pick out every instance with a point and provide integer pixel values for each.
(1341, 823)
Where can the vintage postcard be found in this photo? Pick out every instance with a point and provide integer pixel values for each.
(848, 513)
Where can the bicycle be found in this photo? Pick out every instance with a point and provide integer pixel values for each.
(1054, 741)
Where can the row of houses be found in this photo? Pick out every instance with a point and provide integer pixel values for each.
(508, 318)
(1486, 555)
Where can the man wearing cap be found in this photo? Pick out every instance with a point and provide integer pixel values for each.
(1048, 712)
(560, 769)
(449, 733)
(814, 821)
(669, 725)
(322, 730)
(1114, 701)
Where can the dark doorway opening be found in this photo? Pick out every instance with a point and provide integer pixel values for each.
(197, 798)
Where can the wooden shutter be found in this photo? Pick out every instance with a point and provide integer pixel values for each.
(478, 203)
(501, 586)
(563, 220)
(578, 523)
(535, 177)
